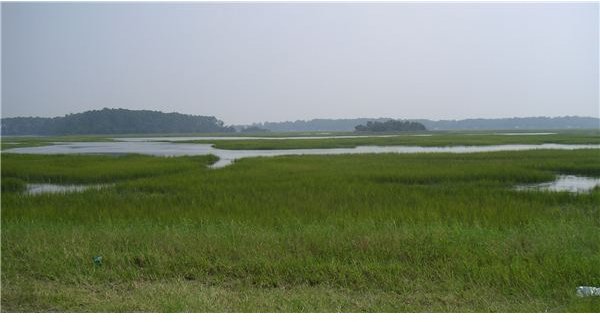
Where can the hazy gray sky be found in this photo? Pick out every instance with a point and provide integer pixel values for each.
(244, 62)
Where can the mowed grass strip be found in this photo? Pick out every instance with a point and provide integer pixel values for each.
(346, 233)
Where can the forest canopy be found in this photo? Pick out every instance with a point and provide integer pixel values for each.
(390, 126)
(114, 121)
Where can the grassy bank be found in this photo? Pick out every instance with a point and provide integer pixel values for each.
(387, 232)
(436, 139)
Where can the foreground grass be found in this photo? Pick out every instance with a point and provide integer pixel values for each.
(95, 168)
(436, 139)
(386, 232)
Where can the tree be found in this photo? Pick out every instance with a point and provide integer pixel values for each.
(254, 129)
(114, 121)
(390, 126)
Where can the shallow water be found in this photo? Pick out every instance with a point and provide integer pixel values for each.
(226, 157)
(39, 188)
(225, 138)
(575, 184)
(525, 133)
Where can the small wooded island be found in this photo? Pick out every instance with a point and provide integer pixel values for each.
(391, 126)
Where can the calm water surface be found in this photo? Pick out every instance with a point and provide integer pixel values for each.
(567, 183)
(218, 138)
(39, 188)
(525, 133)
(226, 157)
(575, 184)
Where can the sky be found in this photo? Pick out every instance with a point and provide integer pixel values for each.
(254, 62)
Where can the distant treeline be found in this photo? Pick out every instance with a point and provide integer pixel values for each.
(253, 129)
(390, 126)
(113, 121)
(123, 121)
(516, 123)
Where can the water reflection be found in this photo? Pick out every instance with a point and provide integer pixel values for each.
(39, 188)
(227, 157)
(225, 138)
(525, 133)
(575, 184)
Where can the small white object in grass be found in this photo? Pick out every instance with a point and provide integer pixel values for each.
(583, 291)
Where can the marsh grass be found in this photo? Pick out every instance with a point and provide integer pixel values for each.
(13, 185)
(345, 233)
(95, 168)
(437, 139)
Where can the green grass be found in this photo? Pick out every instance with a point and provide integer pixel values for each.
(437, 139)
(13, 185)
(94, 169)
(346, 233)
